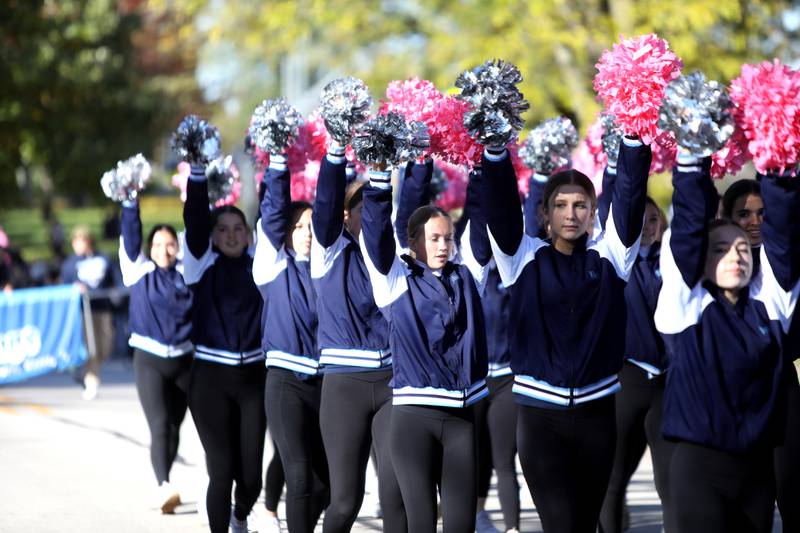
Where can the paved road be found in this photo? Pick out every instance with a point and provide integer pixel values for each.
(68, 465)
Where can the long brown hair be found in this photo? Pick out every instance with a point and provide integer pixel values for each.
(568, 177)
(416, 223)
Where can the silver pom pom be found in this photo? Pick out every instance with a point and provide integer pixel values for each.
(127, 180)
(196, 141)
(388, 139)
(221, 180)
(345, 105)
(497, 104)
(611, 138)
(274, 125)
(549, 145)
(698, 113)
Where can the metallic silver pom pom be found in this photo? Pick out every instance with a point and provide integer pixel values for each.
(274, 125)
(388, 140)
(221, 180)
(345, 105)
(698, 113)
(611, 138)
(126, 180)
(497, 104)
(549, 145)
(196, 141)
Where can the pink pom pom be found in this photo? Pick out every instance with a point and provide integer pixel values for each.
(415, 99)
(768, 100)
(455, 195)
(523, 172)
(450, 140)
(179, 180)
(663, 158)
(236, 189)
(631, 79)
(732, 157)
(304, 183)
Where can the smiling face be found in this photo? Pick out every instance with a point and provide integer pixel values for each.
(164, 249)
(570, 213)
(299, 239)
(435, 245)
(230, 234)
(651, 231)
(748, 214)
(729, 260)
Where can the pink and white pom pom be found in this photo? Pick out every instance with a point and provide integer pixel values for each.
(417, 100)
(767, 97)
(179, 180)
(304, 183)
(454, 196)
(523, 172)
(732, 157)
(663, 158)
(450, 140)
(631, 78)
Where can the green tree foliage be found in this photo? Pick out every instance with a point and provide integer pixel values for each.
(84, 83)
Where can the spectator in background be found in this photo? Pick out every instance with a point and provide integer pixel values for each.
(13, 269)
(93, 273)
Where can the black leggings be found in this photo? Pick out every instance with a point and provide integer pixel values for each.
(162, 384)
(496, 423)
(436, 446)
(787, 461)
(227, 404)
(293, 413)
(273, 480)
(638, 408)
(566, 457)
(713, 491)
(356, 410)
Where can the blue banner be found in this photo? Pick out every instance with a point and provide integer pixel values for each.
(40, 330)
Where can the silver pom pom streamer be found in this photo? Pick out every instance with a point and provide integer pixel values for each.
(345, 106)
(196, 141)
(698, 113)
(549, 145)
(388, 140)
(274, 125)
(127, 180)
(221, 180)
(497, 104)
(611, 138)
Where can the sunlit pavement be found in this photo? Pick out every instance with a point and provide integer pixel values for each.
(70, 465)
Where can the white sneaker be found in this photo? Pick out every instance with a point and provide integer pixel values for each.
(238, 526)
(483, 523)
(264, 521)
(89, 390)
(168, 498)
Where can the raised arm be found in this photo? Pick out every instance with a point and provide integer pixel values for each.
(478, 238)
(630, 190)
(415, 193)
(502, 205)
(131, 226)
(276, 200)
(604, 200)
(532, 203)
(376, 222)
(328, 215)
(691, 215)
(781, 227)
(196, 215)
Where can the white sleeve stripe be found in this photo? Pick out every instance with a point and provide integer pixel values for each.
(479, 273)
(133, 271)
(195, 267)
(386, 288)
(268, 262)
(609, 245)
(511, 266)
(322, 258)
(765, 288)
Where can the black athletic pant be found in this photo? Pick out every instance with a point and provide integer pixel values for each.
(273, 480)
(293, 413)
(356, 410)
(227, 404)
(714, 491)
(566, 457)
(162, 384)
(638, 414)
(436, 446)
(496, 423)
(787, 461)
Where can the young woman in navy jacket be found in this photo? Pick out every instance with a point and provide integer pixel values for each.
(437, 337)
(567, 315)
(160, 324)
(282, 271)
(226, 391)
(724, 400)
(353, 339)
